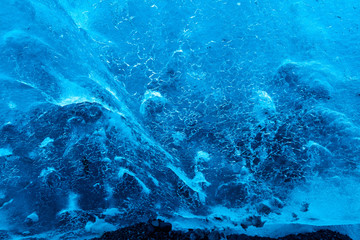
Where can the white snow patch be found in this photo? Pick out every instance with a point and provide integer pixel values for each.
(5, 152)
(122, 171)
(74, 99)
(200, 179)
(112, 212)
(99, 226)
(183, 220)
(46, 171)
(202, 156)
(33, 217)
(46, 142)
(151, 96)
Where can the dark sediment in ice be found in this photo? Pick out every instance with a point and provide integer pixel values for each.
(164, 231)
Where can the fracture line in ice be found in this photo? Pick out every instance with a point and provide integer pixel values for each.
(121, 173)
(195, 184)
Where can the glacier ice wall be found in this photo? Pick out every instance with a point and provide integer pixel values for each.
(113, 112)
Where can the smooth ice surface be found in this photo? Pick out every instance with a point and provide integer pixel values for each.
(226, 114)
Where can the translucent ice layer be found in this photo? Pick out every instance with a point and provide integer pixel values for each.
(240, 114)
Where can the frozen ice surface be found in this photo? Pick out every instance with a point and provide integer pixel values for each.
(204, 113)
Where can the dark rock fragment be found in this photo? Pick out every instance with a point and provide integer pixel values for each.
(252, 221)
(263, 209)
(160, 226)
(304, 207)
